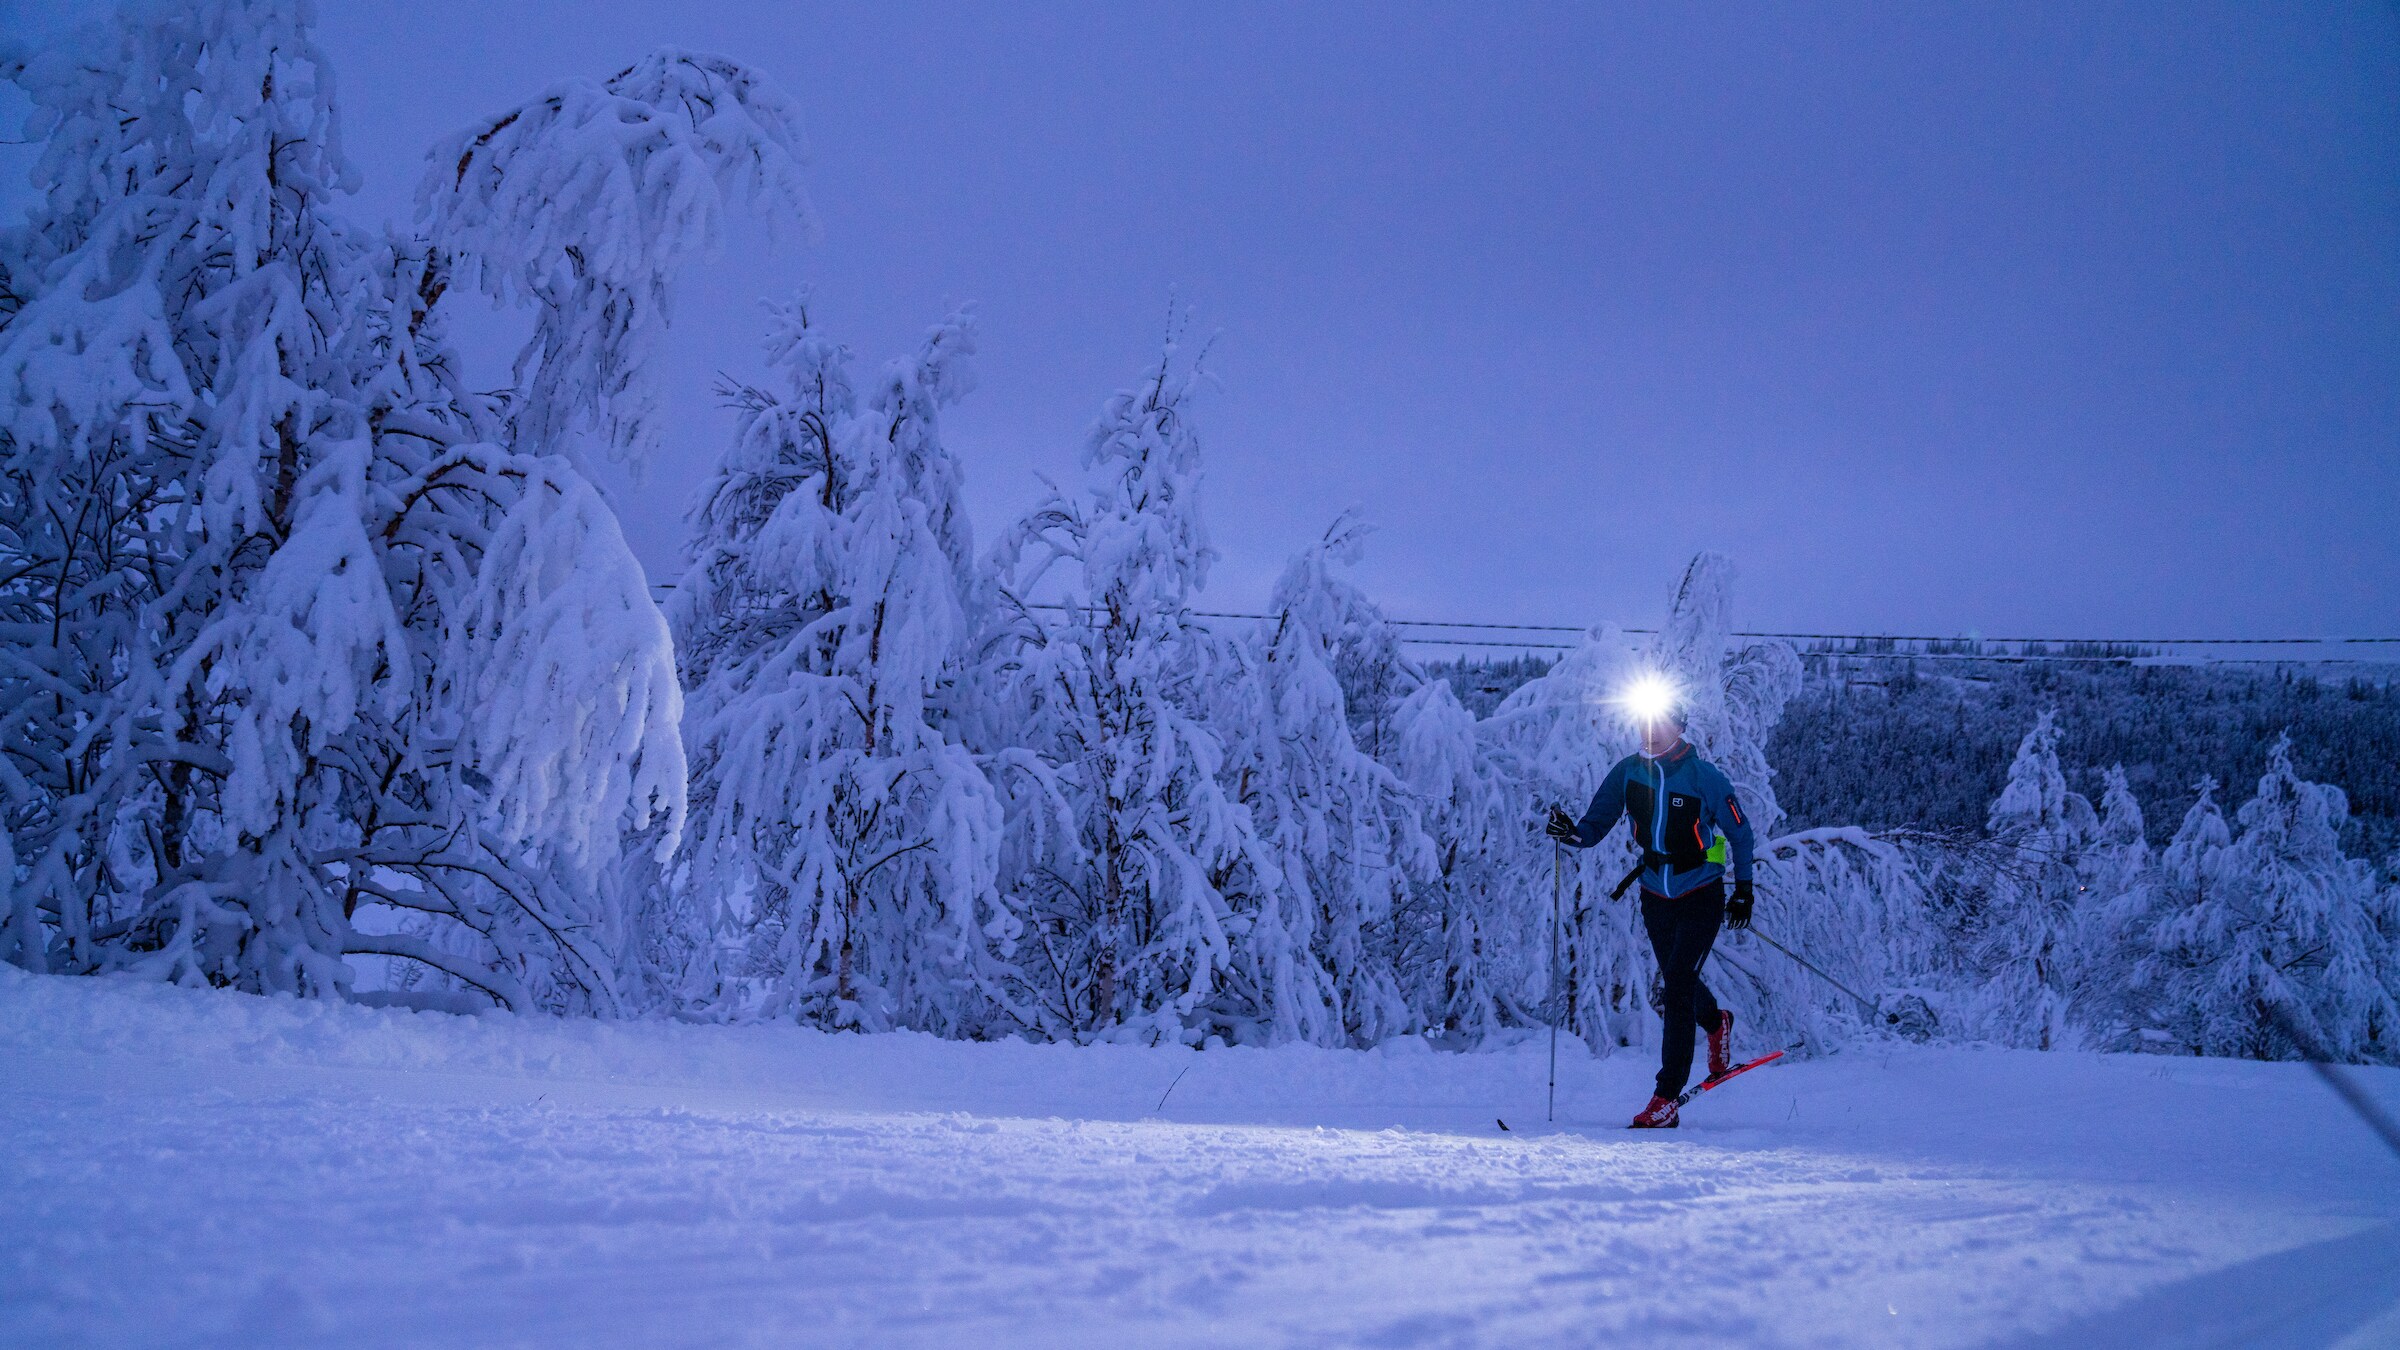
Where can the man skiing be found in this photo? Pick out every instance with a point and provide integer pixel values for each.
(1677, 802)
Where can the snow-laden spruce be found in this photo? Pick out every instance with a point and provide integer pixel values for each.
(1734, 692)
(1817, 889)
(2023, 934)
(2245, 931)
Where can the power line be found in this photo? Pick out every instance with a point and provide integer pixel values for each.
(1895, 637)
(1455, 627)
(1473, 642)
(2084, 642)
(1512, 627)
(1986, 658)
(1813, 637)
(1861, 638)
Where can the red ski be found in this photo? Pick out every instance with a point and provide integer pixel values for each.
(1735, 1072)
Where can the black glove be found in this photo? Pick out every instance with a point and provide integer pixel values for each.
(1561, 826)
(1737, 910)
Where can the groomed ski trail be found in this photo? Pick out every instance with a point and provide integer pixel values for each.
(187, 1167)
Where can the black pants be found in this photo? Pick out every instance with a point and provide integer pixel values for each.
(1681, 932)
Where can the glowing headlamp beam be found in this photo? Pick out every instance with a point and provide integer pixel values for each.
(1649, 699)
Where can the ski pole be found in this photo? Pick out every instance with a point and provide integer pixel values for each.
(2321, 1060)
(1893, 1018)
(1558, 872)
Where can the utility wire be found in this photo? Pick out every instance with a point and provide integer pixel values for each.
(1475, 626)
(1814, 637)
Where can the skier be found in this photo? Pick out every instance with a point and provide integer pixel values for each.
(1677, 802)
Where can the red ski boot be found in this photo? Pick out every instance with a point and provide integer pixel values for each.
(1720, 1046)
(1658, 1115)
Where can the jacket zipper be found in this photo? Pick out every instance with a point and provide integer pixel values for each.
(1658, 830)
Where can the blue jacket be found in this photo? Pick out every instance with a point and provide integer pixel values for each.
(1677, 804)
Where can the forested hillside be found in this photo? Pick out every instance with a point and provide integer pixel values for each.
(1886, 742)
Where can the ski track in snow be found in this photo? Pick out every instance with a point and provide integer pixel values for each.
(189, 1168)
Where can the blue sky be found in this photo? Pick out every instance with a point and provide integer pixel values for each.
(2067, 319)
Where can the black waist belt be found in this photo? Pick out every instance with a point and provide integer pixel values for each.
(1649, 860)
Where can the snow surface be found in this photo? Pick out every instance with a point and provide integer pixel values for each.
(199, 1168)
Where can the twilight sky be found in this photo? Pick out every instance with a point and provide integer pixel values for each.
(2063, 319)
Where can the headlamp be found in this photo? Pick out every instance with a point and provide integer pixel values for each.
(1649, 700)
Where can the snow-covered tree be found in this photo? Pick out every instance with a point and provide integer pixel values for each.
(2020, 932)
(2191, 859)
(1733, 694)
(1554, 739)
(1856, 904)
(2119, 852)
(178, 277)
(841, 828)
(585, 202)
(1469, 954)
(2117, 886)
(310, 625)
(1817, 889)
(2187, 873)
(1345, 836)
(2118, 859)
(2274, 925)
(2035, 811)
(1358, 640)
(1134, 898)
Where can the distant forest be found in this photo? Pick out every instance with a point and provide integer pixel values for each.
(1887, 741)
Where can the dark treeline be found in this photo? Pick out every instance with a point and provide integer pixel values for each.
(1888, 742)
